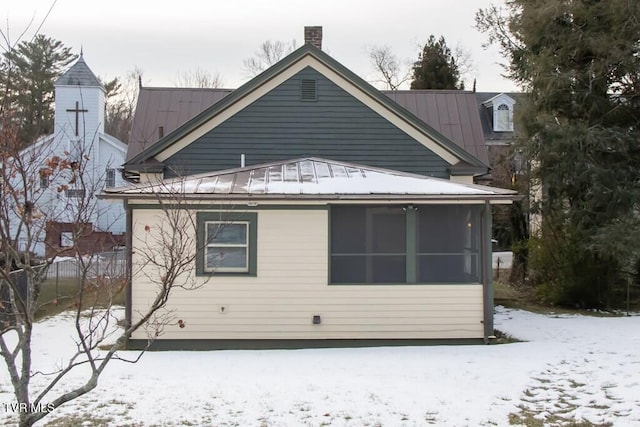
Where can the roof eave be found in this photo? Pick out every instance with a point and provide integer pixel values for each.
(256, 198)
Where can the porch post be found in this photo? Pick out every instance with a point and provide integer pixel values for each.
(129, 261)
(487, 271)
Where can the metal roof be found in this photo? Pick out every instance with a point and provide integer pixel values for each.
(167, 108)
(309, 177)
(78, 75)
(147, 145)
(453, 113)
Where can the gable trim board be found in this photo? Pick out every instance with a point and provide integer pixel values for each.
(307, 56)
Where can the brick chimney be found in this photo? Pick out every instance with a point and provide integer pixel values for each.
(313, 35)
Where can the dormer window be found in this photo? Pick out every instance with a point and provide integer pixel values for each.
(502, 121)
(501, 112)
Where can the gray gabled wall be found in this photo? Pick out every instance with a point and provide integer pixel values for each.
(281, 126)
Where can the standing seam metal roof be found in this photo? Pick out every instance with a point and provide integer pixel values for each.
(311, 177)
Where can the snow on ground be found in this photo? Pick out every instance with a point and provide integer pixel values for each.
(569, 368)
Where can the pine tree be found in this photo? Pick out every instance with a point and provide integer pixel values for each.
(580, 63)
(28, 74)
(436, 67)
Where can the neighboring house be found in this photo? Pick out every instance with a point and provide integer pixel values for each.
(324, 212)
(496, 111)
(500, 130)
(78, 137)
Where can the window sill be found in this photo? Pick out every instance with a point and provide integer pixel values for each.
(225, 274)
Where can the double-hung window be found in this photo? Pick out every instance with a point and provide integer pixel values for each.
(226, 243)
(227, 247)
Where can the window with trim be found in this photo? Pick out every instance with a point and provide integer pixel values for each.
(110, 179)
(44, 178)
(66, 239)
(75, 193)
(502, 119)
(226, 243)
(411, 244)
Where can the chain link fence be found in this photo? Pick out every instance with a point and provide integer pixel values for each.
(63, 277)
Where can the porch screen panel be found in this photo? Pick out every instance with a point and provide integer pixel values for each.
(448, 244)
(368, 244)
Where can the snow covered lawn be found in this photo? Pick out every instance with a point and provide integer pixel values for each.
(569, 368)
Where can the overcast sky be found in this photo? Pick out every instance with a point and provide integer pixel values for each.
(166, 38)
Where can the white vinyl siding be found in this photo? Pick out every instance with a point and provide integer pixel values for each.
(291, 287)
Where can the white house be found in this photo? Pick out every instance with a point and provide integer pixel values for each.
(78, 136)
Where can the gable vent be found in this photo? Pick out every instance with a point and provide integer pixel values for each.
(308, 90)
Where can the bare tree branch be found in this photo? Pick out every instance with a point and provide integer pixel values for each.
(267, 54)
(199, 78)
(386, 64)
(165, 255)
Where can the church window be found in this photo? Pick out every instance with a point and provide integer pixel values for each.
(75, 193)
(110, 178)
(44, 178)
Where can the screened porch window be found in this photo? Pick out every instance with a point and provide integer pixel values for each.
(411, 244)
(368, 245)
(448, 244)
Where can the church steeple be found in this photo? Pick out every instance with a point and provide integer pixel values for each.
(80, 102)
(78, 75)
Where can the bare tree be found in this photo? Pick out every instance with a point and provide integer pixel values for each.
(268, 53)
(121, 99)
(199, 78)
(466, 66)
(40, 186)
(386, 64)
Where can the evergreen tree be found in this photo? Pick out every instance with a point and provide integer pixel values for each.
(580, 63)
(28, 73)
(436, 67)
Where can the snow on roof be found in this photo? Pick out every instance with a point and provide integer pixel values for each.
(308, 177)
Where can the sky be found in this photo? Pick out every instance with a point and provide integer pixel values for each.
(165, 39)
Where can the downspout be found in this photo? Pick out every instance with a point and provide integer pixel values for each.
(487, 275)
(129, 254)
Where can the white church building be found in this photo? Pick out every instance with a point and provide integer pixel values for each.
(78, 137)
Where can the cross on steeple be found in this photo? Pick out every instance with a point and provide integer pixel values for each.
(77, 110)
